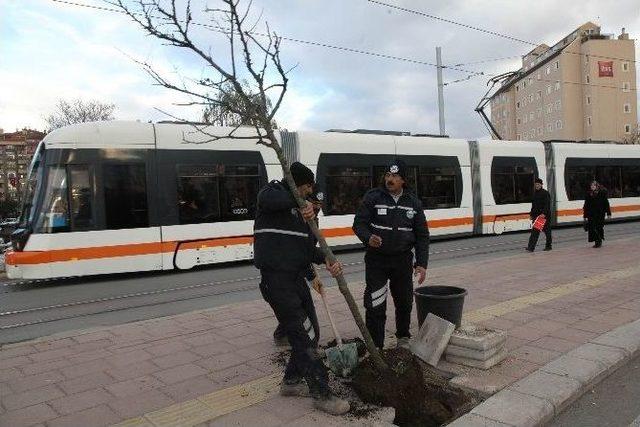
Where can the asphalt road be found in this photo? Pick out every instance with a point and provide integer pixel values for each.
(615, 402)
(34, 309)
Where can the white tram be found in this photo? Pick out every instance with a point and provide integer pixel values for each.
(112, 197)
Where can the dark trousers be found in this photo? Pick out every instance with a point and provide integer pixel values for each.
(596, 230)
(533, 239)
(311, 313)
(289, 297)
(396, 270)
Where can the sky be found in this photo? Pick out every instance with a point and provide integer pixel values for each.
(50, 50)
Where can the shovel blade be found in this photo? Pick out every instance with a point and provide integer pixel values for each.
(343, 360)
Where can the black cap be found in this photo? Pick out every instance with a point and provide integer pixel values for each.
(399, 167)
(538, 181)
(301, 174)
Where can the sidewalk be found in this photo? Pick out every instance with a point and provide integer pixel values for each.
(219, 366)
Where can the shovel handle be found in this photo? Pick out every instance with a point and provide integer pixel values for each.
(333, 323)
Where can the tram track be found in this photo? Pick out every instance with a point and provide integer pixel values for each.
(14, 319)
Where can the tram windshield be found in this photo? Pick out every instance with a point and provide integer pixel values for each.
(32, 189)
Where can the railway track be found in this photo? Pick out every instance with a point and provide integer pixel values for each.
(23, 317)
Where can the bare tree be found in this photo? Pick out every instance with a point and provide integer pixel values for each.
(252, 56)
(633, 137)
(229, 109)
(68, 112)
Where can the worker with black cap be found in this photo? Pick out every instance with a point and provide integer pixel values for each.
(540, 206)
(284, 247)
(390, 222)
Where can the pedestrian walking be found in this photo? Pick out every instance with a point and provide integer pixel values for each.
(284, 248)
(540, 212)
(596, 206)
(390, 222)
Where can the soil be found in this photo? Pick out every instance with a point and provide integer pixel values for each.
(280, 359)
(420, 395)
(360, 345)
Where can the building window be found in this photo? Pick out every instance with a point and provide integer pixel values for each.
(524, 84)
(588, 100)
(548, 70)
(518, 104)
(587, 79)
(539, 112)
(625, 66)
(539, 94)
(504, 113)
(531, 116)
(626, 86)
(558, 105)
(518, 120)
(627, 129)
(548, 90)
(559, 124)
(627, 108)
(530, 98)
(549, 108)
(588, 120)
(557, 65)
(539, 75)
(518, 88)
(540, 131)
(557, 85)
(517, 136)
(549, 127)
(524, 119)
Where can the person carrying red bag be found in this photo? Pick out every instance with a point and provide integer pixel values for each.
(541, 215)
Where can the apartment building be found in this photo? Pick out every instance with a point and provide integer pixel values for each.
(583, 88)
(16, 150)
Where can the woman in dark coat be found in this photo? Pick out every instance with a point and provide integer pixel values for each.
(596, 205)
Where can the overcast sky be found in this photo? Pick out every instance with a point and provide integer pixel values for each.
(50, 50)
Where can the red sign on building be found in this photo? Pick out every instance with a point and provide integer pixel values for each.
(605, 68)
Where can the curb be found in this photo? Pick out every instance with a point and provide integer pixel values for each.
(544, 394)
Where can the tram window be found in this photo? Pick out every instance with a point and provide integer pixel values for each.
(198, 199)
(577, 180)
(611, 179)
(240, 186)
(437, 187)
(125, 196)
(81, 197)
(631, 181)
(345, 187)
(512, 179)
(212, 193)
(55, 214)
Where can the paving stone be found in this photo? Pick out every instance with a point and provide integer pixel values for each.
(191, 388)
(179, 373)
(511, 407)
(134, 386)
(133, 370)
(560, 391)
(474, 420)
(486, 385)
(18, 350)
(585, 371)
(36, 381)
(80, 401)
(432, 339)
(477, 337)
(95, 417)
(28, 416)
(175, 359)
(535, 354)
(31, 397)
(610, 356)
(471, 353)
(86, 382)
(554, 344)
(480, 364)
(628, 343)
(148, 401)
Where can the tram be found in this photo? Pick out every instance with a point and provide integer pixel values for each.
(114, 197)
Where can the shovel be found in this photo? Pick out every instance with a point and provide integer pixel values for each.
(343, 358)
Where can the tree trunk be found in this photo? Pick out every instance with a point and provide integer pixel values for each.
(329, 256)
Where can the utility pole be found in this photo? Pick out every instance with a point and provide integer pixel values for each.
(440, 90)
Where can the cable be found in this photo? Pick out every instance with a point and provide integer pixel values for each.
(295, 40)
(449, 21)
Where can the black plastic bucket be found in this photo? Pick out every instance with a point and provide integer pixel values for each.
(443, 301)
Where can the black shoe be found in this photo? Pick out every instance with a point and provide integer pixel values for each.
(597, 245)
(528, 249)
(547, 248)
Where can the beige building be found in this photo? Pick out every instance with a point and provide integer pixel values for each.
(16, 150)
(581, 89)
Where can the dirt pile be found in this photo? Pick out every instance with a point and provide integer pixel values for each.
(419, 394)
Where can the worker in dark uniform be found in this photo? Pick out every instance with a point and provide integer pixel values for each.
(541, 205)
(279, 336)
(284, 248)
(390, 222)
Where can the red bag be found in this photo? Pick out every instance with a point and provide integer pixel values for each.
(539, 223)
